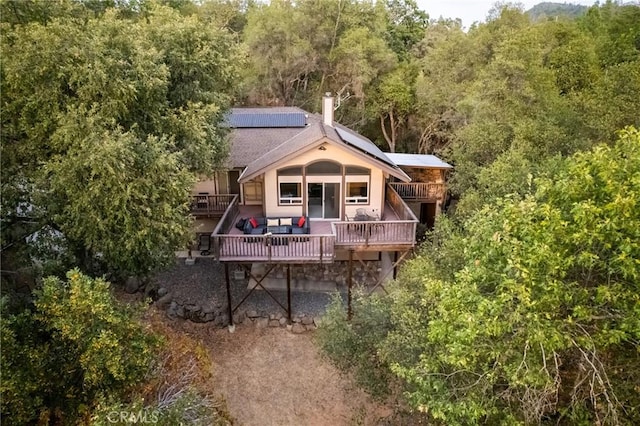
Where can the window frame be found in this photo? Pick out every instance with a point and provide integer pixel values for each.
(357, 200)
(290, 201)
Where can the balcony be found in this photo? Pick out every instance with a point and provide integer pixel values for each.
(205, 205)
(395, 231)
(419, 191)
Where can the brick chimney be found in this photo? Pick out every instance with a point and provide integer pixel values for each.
(327, 109)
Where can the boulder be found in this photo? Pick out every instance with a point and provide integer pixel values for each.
(164, 301)
(262, 322)
(298, 328)
(132, 285)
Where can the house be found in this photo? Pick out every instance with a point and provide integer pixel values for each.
(287, 163)
(301, 190)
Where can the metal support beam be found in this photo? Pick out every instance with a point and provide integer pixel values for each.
(289, 292)
(226, 275)
(386, 273)
(349, 283)
(259, 284)
(395, 264)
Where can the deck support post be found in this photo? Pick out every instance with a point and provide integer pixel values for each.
(395, 264)
(226, 276)
(349, 283)
(289, 292)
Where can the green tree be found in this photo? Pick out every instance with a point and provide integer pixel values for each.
(75, 345)
(527, 312)
(392, 102)
(103, 138)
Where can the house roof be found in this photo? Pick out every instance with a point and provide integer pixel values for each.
(261, 138)
(418, 160)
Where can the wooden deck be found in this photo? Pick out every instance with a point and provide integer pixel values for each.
(419, 191)
(205, 205)
(395, 232)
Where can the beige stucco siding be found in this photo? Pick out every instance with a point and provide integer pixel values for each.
(216, 184)
(332, 153)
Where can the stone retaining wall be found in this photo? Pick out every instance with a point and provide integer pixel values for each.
(218, 314)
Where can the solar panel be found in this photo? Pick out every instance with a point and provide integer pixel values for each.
(266, 119)
(363, 144)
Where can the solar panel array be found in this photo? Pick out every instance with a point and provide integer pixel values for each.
(266, 119)
(363, 144)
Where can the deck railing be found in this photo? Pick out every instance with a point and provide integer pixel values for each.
(419, 190)
(380, 233)
(375, 233)
(210, 205)
(287, 248)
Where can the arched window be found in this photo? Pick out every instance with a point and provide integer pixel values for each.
(324, 168)
(290, 171)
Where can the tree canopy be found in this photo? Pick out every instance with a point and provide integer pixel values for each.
(527, 312)
(106, 120)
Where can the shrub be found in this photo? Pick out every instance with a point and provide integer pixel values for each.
(75, 343)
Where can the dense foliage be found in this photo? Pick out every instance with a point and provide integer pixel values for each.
(522, 307)
(529, 312)
(106, 118)
(74, 345)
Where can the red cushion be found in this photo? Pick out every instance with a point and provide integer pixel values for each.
(301, 222)
(253, 222)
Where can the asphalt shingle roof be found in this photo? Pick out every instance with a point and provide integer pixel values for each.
(257, 148)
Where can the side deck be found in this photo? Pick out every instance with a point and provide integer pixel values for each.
(394, 232)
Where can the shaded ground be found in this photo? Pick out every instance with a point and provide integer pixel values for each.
(270, 376)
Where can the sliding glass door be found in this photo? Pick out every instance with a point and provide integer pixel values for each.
(323, 200)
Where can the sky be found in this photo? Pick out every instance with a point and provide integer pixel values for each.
(475, 10)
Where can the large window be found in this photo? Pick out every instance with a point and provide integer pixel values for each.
(357, 190)
(357, 193)
(290, 185)
(290, 193)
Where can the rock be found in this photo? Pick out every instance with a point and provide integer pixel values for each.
(274, 323)
(296, 319)
(310, 327)
(317, 321)
(307, 320)
(252, 314)
(132, 285)
(180, 312)
(282, 321)
(208, 308)
(172, 312)
(191, 311)
(162, 292)
(278, 315)
(221, 321)
(297, 328)
(164, 301)
(209, 316)
(262, 322)
(197, 318)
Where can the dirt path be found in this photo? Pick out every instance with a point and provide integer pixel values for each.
(273, 377)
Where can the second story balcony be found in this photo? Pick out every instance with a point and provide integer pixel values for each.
(393, 231)
(419, 191)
